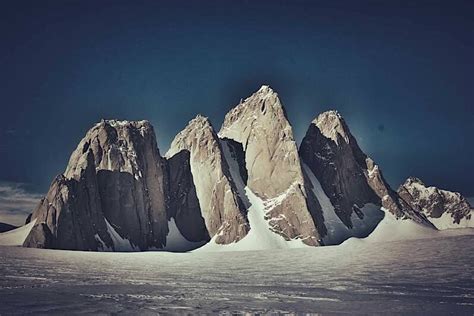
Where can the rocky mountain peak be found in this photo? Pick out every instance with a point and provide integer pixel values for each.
(199, 130)
(266, 90)
(261, 108)
(332, 126)
(445, 209)
(260, 125)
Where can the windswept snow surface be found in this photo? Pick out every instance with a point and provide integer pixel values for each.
(16, 237)
(425, 276)
(337, 231)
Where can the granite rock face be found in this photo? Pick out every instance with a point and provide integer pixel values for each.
(70, 215)
(445, 209)
(222, 209)
(259, 123)
(113, 192)
(349, 178)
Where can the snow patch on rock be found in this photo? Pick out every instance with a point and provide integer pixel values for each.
(120, 243)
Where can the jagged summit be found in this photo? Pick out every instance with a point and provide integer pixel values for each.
(199, 127)
(200, 119)
(266, 90)
(261, 106)
(332, 125)
(445, 209)
(413, 180)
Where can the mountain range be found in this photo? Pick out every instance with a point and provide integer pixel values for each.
(246, 186)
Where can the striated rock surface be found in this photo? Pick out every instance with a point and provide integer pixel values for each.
(70, 215)
(443, 208)
(350, 179)
(260, 125)
(131, 177)
(111, 196)
(222, 209)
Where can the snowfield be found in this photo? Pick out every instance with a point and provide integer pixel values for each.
(429, 276)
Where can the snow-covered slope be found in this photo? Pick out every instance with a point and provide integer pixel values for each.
(16, 237)
(392, 229)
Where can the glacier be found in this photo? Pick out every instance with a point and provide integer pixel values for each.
(361, 276)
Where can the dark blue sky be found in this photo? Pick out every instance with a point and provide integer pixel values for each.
(401, 75)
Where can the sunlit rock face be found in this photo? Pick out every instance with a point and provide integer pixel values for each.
(114, 184)
(260, 125)
(222, 209)
(445, 209)
(349, 178)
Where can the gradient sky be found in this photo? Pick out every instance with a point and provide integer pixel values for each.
(401, 75)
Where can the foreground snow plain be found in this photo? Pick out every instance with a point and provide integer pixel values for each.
(429, 276)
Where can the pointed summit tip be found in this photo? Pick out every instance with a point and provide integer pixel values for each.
(200, 119)
(265, 89)
(332, 125)
(413, 180)
(332, 115)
